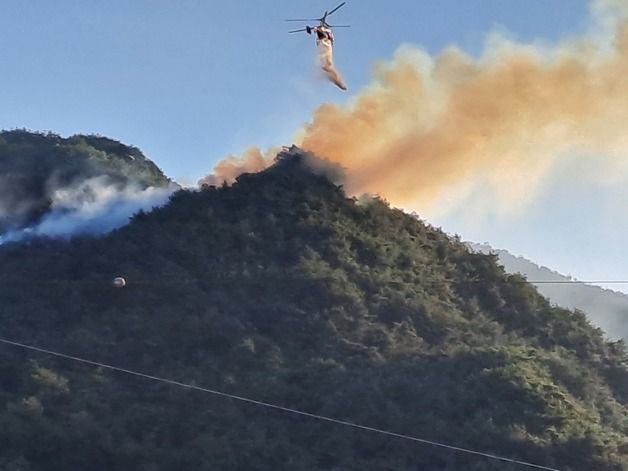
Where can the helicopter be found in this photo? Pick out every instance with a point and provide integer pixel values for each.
(324, 30)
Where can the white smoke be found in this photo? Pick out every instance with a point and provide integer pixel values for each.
(94, 206)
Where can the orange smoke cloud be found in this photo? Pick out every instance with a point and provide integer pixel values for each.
(420, 128)
(228, 169)
(428, 124)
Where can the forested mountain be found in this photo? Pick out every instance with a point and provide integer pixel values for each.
(36, 169)
(605, 308)
(282, 289)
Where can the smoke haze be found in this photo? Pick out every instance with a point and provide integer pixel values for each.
(94, 206)
(226, 171)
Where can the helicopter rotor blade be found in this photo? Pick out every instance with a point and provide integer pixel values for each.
(297, 30)
(335, 9)
(323, 19)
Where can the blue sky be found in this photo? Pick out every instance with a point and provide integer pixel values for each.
(194, 80)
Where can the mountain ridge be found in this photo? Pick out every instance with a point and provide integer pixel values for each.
(284, 289)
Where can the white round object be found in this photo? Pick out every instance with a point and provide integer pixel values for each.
(119, 282)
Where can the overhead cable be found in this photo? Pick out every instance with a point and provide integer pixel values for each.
(289, 410)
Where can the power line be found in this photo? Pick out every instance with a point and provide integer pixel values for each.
(278, 407)
(573, 282)
(179, 280)
(533, 282)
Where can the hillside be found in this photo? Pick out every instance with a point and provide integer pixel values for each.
(283, 289)
(35, 168)
(605, 308)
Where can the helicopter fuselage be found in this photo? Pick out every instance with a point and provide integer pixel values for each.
(322, 33)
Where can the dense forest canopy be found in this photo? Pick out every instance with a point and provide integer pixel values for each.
(283, 289)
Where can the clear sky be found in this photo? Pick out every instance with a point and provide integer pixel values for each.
(194, 80)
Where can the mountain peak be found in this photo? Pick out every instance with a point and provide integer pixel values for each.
(292, 164)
